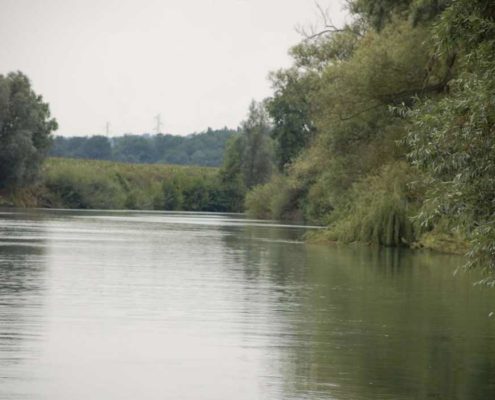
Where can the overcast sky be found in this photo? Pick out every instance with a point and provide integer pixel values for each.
(196, 62)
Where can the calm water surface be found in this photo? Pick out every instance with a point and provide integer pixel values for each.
(131, 305)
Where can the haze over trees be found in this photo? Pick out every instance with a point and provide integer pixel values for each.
(203, 149)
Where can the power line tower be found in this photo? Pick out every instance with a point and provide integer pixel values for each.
(159, 124)
(107, 129)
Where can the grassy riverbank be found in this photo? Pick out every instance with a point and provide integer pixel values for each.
(90, 184)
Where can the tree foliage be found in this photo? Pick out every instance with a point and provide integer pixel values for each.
(257, 148)
(25, 129)
(289, 109)
(203, 149)
(249, 156)
(378, 13)
(383, 130)
(401, 106)
(453, 137)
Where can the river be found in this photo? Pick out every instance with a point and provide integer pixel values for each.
(148, 305)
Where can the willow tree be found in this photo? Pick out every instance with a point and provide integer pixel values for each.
(452, 137)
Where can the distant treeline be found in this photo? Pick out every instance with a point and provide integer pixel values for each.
(203, 149)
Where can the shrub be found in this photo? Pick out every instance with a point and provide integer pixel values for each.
(108, 185)
(380, 209)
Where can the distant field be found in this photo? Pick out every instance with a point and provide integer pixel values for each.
(91, 184)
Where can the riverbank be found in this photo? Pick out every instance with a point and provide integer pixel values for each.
(20, 198)
(91, 184)
(436, 241)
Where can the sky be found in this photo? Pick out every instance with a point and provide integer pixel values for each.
(197, 63)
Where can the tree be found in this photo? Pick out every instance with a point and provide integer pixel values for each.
(452, 138)
(134, 149)
(25, 129)
(231, 180)
(290, 110)
(97, 148)
(380, 12)
(257, 157)
(248, 158)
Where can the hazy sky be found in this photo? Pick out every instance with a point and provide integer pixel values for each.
(196, 62)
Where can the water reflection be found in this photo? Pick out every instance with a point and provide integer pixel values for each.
(22, 277)
(364, 323)
(186, 306)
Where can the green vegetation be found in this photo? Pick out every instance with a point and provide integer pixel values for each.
(249, 157)
(204, 149)
(452, 137)
(382, 130)
(25, 127)
(109, 185)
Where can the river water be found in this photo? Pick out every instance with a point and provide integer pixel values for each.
(144, 305)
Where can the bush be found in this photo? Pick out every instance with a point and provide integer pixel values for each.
(274, 200)
(108, 185)
(380, 209)
(77, 186)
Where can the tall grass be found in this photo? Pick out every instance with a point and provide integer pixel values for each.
(91, 184)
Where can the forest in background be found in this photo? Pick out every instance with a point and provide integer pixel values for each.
(203, 149)
(382, 130)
